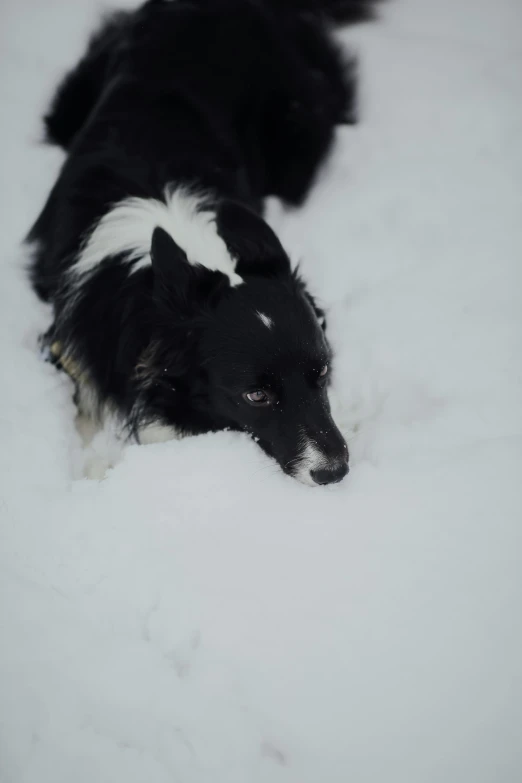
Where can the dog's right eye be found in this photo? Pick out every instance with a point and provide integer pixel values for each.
(257, 397)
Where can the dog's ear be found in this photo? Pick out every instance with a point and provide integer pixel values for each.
(177, 281)
(319, 312)
(251, 241)
(169, 262)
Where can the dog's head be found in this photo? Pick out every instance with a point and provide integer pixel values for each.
(255, 353)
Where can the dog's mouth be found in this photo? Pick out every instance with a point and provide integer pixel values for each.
(326, 472)
(313, 468)
(312, 465)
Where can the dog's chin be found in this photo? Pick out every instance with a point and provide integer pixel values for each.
(304, 477)
(299, 473)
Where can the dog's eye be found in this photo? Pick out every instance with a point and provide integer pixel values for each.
(257, 397)
(324, 371)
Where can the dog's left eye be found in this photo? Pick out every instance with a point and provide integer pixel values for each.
(324, 371)
(257, 397)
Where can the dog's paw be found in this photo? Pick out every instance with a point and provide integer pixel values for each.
(103, 453)
(96, 467)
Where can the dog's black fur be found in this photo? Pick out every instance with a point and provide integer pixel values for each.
(231, 100)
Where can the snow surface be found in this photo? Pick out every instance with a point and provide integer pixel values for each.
(198, 617)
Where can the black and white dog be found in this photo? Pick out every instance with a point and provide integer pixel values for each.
(176, 310)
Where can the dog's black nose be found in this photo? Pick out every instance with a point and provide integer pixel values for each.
(330, 475)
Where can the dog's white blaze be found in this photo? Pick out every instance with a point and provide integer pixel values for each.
(312, 458)
(265, 319)
(128, 227)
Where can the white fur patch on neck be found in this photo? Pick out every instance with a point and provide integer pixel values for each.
(128, 227)
(265, 319)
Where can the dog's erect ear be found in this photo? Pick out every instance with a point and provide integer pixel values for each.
(319, 312)
(169, 262)
(176, 280)
(251, 241)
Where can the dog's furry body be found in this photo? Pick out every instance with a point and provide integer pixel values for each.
(173, 300)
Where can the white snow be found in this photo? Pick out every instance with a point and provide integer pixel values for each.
(197, 617)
